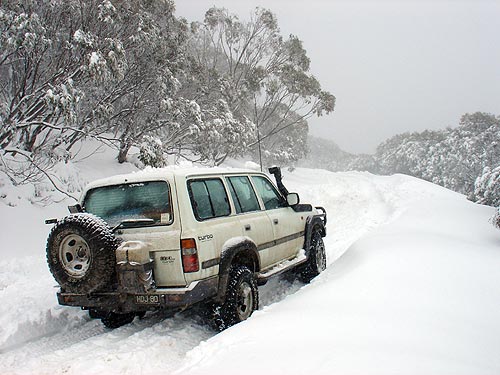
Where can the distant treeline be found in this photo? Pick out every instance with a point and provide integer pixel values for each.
(465, 159)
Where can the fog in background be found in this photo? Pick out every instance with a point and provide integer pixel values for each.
(394, 66)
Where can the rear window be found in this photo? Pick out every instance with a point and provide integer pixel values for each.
(208, 198)
(145, 200)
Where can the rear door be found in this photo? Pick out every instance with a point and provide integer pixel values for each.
(210, 222)
(144, 200)
(254, 221)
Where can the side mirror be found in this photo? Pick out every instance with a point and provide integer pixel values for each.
(292, 199)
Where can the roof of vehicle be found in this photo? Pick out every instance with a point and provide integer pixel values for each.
(151, 174)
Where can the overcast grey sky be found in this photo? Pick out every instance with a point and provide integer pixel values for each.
(394, 66)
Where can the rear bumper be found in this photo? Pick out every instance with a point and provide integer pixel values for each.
(164, 298)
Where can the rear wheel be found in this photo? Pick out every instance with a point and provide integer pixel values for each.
(115, 320)
(242, 299)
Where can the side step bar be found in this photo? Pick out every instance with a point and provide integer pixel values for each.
(264, 276)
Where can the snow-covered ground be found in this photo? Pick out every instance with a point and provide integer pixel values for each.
(411, 288)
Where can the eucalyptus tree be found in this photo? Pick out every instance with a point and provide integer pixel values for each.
(495, 220)
(70, 70)
(150, 104)
(456, 161)
(487, 187)
(453, 158)
(50, 63)
(408, 153)
(263, 77)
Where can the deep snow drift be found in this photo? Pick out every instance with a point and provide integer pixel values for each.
(411, 287)
(418, 295)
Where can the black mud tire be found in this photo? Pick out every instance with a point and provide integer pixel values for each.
(95, 314)
(115, 320)
(316, 258)
(81, 254)
(242, 299)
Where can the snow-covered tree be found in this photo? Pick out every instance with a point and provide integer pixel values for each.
(453, 158)
(152, 104)
(496, 219)
(487, 187)
(457, 160)
(104, 69)
(407, 153)
(285, 148)
(262, 76)
(221, 134)
(51, 62)
(220, 131)
(151, 152)
(362, 162)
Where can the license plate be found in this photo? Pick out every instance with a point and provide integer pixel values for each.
(147, 299)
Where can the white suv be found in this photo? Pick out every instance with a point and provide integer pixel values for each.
(169, 239)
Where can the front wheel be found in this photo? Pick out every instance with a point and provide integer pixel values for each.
(242, 299)
(316, 262)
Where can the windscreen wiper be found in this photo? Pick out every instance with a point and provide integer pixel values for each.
(129, 223)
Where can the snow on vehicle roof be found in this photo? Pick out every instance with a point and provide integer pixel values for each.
(151, 174)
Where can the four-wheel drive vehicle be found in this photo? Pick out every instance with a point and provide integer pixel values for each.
(169, 239)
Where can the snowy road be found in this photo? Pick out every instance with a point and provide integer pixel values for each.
(38, 336)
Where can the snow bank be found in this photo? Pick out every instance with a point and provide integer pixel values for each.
(416, 295)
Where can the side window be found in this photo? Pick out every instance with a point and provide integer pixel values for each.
(208, 198)
(271, 198)
(244, 197)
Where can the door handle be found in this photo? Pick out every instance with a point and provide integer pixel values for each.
(275, 221)
(247, 227)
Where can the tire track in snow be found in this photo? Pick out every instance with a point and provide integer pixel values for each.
(156, 342)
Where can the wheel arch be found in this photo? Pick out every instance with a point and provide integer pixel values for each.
(243, 252)
(313, 223)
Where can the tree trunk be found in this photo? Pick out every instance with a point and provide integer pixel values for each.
(74, 138)
(122, 153)
(5, 136)
(220, 159)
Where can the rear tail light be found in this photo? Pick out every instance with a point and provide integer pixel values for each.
(189, 255)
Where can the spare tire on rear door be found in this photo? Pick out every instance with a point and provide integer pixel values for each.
(81, 253)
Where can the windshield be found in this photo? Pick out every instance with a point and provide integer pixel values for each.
(145, 200)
